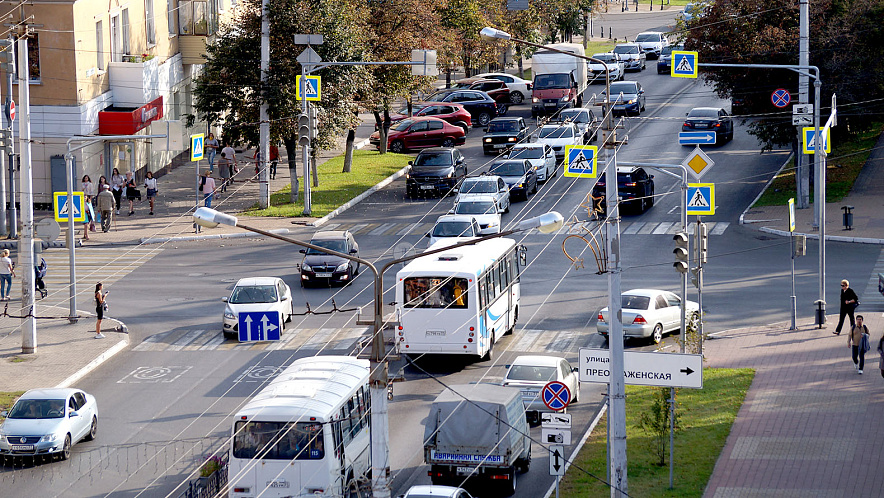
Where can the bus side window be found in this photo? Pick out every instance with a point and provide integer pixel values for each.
(489, 287)
(482, 301)
(338, 439)
(504, 274)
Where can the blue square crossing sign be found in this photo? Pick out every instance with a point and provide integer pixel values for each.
(580, 161)
(701, 199)
(62, 207)
(808, 140)
(197, 143)
(684, 64)
(312, 87)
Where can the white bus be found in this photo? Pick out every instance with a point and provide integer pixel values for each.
(459, 301)
(305, 434)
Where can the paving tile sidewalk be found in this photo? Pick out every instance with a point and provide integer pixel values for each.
(810, 423)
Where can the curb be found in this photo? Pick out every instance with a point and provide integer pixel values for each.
(742, 221)
(103, 357)
(816, 236)
(356, 200)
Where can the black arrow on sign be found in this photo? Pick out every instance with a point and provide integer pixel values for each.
(556, 461)
(686, 370)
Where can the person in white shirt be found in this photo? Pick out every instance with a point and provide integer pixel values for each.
(209, 189)
(150, 183)
(230, 154)
(7, 271)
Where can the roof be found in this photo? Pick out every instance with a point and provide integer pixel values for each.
(455, 217)
(505, 118)
(421, 105)
(538, 360)
(256, 281)
(437, 150)
(642, 292)
(433, 490)
(472, 259)
(329, 235)
(49, 393)
(488, 393)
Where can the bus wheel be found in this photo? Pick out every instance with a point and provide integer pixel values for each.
(487, 356)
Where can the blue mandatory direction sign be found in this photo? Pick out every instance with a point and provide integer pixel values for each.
(259, 326)
(684, 64)
(556, 395)
(581, 161)
(697, 138)
(63, 208)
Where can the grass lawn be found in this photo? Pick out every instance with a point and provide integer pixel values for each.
(336, 188)
(843, 165)
(597, 47)
(6, 399)
(705, 422)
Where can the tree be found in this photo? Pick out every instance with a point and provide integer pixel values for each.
(462, 21)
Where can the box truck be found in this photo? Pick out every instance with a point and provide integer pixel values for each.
(559, 79)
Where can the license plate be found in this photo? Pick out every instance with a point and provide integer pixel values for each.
(22, 447)
(530, 394)
(323, 275)
(427, 187)
(437, 333)
(464, 471)
(701, 125)
(550, 104)
(499, 146)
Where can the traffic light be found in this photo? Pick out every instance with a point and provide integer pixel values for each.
(5, 141)
(303, 130)
(697, 277)
(681, 264)
(702, 243)
(800, 245)
(7, 56)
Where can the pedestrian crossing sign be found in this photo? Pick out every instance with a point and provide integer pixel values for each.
(312, 87)
(581, 161)
(196, 146)
(684, 64)
(808, 135)
(701, 199)
(62, 207)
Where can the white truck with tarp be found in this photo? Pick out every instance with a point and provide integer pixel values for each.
(559, 79)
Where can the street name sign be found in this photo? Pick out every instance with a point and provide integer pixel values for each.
(697, 138)
(556, 395)
(684, 64)
(62, 207)
(808, 135)
(555, 420)
(644, 368)
(196, 146)
(581, 161)
(556, 460)
(698, 163)
(781, 97)
(259, 326)
(701, 199)
(555, 436)
(312, 87)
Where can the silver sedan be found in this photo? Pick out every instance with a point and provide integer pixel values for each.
(649, 313)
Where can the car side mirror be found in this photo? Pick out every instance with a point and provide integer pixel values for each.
(427, 234)
(459, 161)
(652, 176)
(451, 211)
(574, 369)
(73, 414)
(354, 251)
(302, 251)
(224, 299)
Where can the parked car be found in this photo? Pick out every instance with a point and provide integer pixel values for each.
(484, 209)
(455, 114)
(541, 156)
(649, 313)
(652, 43)
(710, 118)
(631, 102)
(48, 423)
(504, 132)
(518, 174)
(559, 137)
(480, 105)
(433, 491)
(612, 64)
(664, 62)
(485, 185)
(258, 294)
(321, 268)
(454, 228)
(435, 171)
(520, 89)
(530, 373)
(635, 187)
(417, 133)
(495, 89)
(632, 56)
(585, 119)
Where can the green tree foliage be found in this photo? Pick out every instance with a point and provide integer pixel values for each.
(462, 21)
(656, 422)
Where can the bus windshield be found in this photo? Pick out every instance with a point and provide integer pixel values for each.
(436, 292)
(278, 441)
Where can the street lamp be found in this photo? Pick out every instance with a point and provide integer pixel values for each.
(380, 436)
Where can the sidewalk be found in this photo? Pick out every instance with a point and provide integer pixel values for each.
(809, 426)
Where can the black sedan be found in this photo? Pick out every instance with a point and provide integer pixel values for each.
(320, 267)
(438, 170)
(503, 133)
(479, 104)
(635, 187)
(710, 118)
(518, 174)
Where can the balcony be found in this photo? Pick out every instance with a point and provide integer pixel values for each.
(134, 83)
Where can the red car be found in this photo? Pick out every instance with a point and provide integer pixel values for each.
(448, 111)
(420, 133)
(495, 89)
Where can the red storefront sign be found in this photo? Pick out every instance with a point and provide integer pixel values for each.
(128, 122)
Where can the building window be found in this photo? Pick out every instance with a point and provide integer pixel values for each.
(192, 17)
(99, 44)
(124, 16)
(149, 25)
(173, 14)
(116, 39)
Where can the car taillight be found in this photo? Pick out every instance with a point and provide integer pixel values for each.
(601, 318)
(689, 125)
(633, 184)
(640, 319)
(716, 125)
(529, 85)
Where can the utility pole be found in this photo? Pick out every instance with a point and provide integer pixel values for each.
(264, 127)
(10, 155)
(7, 58)
(802, 171)
(26, 242)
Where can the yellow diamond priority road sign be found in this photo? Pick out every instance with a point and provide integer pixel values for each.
(698, 163)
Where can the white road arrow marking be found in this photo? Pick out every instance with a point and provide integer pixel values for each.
(248, 322)
(266, 325)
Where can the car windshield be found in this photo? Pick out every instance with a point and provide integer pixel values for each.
(647, 37)
(508, 169)
(605, 57)
(625, 87)
(544, 81)
(337, 245)
(668, 50)
(479, 187)
(453, 229)
(626, 49)
(575, 116)
(527, 153)
(503, 126)
(402, 125)
(475, 207)
(704, 113)
(433, 159)
(532, 373)
(635, 302)
(556, 132)
(37, 408)
(253, 294)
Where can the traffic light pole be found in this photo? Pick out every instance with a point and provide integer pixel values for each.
(10, 158)
(264, 126)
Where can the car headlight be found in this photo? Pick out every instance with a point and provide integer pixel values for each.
(520, 185)
(565, 98)
(511, 139)
(535, 99)
(492, 224)
(306, 267)
(228, 314)
(631, 101)
(487, 140)
(342, 267)
(48, 438)
(450, 175)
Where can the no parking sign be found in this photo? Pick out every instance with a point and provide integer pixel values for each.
(556, 395)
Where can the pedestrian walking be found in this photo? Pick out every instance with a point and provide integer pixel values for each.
(105, 207)
(258, 162)
(231, 156)
(858, 340)
(117, 181)
(274, 160)
(849, 301)
(100, 308)
(212, 147)
(208, 189)
(7, 271)
(88, 194)
(132, 192)
(150, 185)
(224, 171)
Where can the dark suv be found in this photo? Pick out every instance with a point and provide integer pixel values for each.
(435, 170)
(634, 186)
(503, 133)
(480, 105)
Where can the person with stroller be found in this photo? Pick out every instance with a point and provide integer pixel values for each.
(39, 274)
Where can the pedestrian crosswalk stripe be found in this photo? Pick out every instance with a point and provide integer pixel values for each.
(633, 228)
(381, 229)
(662, 228)
(718, 229)
(185, 340)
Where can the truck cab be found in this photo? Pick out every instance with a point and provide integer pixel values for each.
(552, 92)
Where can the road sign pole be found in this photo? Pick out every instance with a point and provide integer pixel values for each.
(26, 242)
(264, 126)
(69, 173)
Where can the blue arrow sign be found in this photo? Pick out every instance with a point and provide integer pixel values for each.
(697, 138)
(259, 326)
(556, 395)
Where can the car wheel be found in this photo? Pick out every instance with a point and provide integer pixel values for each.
(66, 449)
(93, 430)
(516, 97)
(657, 334)
(483, 119)
(507, 210)
(464, 127)
(397, 146)
(510, 486)
(448, 142)
(232, 336)
(534, 191)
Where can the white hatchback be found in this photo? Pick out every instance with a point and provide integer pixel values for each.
(519, 89)
(454, 228)
(530, 373)
(483, 209)
(257, 294)
(559, 137)
(541, 156)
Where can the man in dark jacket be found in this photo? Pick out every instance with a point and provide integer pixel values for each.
(849, 302)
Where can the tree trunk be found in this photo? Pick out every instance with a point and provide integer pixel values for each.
(313, 167)
(292, 151)
(348, 151)
(382, 133)
(520, 61)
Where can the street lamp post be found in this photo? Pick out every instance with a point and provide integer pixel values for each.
(380, 435)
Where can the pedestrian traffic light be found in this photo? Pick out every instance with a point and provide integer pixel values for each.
(697, 277)
(681, 252)
(702, 243)
(800, 245)
(303, 130)
(7, 56)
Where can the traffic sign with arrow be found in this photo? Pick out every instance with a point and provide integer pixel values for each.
(697, 138)
(259, 326)
(556, 460)
(644, 368)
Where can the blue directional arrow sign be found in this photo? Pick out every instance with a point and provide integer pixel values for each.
(259, 326)
(581, 161)
(556, 395)
(697, 138)
(63, 208)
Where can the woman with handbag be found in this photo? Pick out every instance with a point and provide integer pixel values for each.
(132, 192)
(858, 340)
(849, 301)
(100, 308)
